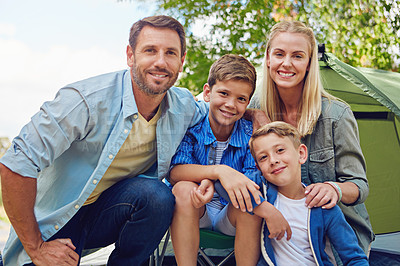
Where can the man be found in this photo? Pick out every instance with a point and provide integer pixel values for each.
(83, 173)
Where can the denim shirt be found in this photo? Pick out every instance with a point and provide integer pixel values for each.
(70, 143)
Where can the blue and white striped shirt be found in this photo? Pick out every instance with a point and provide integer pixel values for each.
(200, 141)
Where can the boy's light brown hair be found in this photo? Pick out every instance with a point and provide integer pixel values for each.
(232, 67)
(282, 129)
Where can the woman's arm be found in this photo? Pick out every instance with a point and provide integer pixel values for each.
(350, 185)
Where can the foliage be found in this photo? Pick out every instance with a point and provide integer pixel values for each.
(360, 33)
(4, 145)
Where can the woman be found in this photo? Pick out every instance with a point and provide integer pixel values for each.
(292, 92)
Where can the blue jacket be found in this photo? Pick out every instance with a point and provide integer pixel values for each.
(322, 223)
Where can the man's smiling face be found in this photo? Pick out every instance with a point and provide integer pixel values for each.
(156, 62)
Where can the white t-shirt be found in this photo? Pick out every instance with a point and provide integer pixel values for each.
(296, 251)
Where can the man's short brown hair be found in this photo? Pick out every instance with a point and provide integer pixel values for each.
(232, 67)
(158, 22)
(280, 128)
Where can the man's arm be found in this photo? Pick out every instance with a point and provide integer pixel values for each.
(236, 184)
(19, 195)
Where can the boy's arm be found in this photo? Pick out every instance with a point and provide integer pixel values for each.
(237, 185)
(203, 194)
(343, 238)
(277, 224)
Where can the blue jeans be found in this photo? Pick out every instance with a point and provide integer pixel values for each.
(134, 214)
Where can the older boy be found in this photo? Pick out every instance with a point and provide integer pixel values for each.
(217, 149)
(279, 154)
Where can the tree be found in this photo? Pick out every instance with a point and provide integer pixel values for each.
(360, 33)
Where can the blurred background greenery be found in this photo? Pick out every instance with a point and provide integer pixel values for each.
(360, 33)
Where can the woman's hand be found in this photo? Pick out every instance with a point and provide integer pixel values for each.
(321, 195)
(326, 196)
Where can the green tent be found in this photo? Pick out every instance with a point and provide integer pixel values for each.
(374, 97)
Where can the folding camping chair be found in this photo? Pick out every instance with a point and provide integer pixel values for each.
(157, 258)
(208, 239)
(215, 240)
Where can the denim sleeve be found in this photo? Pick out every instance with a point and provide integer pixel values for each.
(49, 133)
(201, 112)
(350, 162)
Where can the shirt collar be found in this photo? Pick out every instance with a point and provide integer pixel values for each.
(128, 99)
(237, 138)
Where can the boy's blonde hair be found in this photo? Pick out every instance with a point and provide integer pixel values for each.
(232, 67)
(282, 129)
(310, 103)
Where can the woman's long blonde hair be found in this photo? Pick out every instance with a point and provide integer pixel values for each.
(310, 104)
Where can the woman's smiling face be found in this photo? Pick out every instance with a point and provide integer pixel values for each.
(288, 60)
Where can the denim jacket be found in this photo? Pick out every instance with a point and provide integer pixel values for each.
(334, 154)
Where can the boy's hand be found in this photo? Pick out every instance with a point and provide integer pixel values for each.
(277, 224)
(321, 195)
(238, 186)
(203, 194)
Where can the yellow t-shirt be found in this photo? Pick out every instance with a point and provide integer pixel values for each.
(136, 156)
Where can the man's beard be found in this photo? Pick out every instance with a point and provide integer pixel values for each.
(144, 86)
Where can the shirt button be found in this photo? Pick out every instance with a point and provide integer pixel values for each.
(56, 227)
(135, 116)
(126, 131)
(110, 156)
(95, 181)
(76, 206)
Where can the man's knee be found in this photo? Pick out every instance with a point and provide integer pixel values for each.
(163, 197)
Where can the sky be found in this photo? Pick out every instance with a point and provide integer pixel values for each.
(47, 44)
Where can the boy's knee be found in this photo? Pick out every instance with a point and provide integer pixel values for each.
(236, 216)
(182, 189)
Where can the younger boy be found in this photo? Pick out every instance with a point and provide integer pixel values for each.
(279, 154)
(217, 149)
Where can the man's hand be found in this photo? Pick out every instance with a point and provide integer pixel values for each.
(277, 224)
(203, 194)
(238, 186)
(57, 252)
